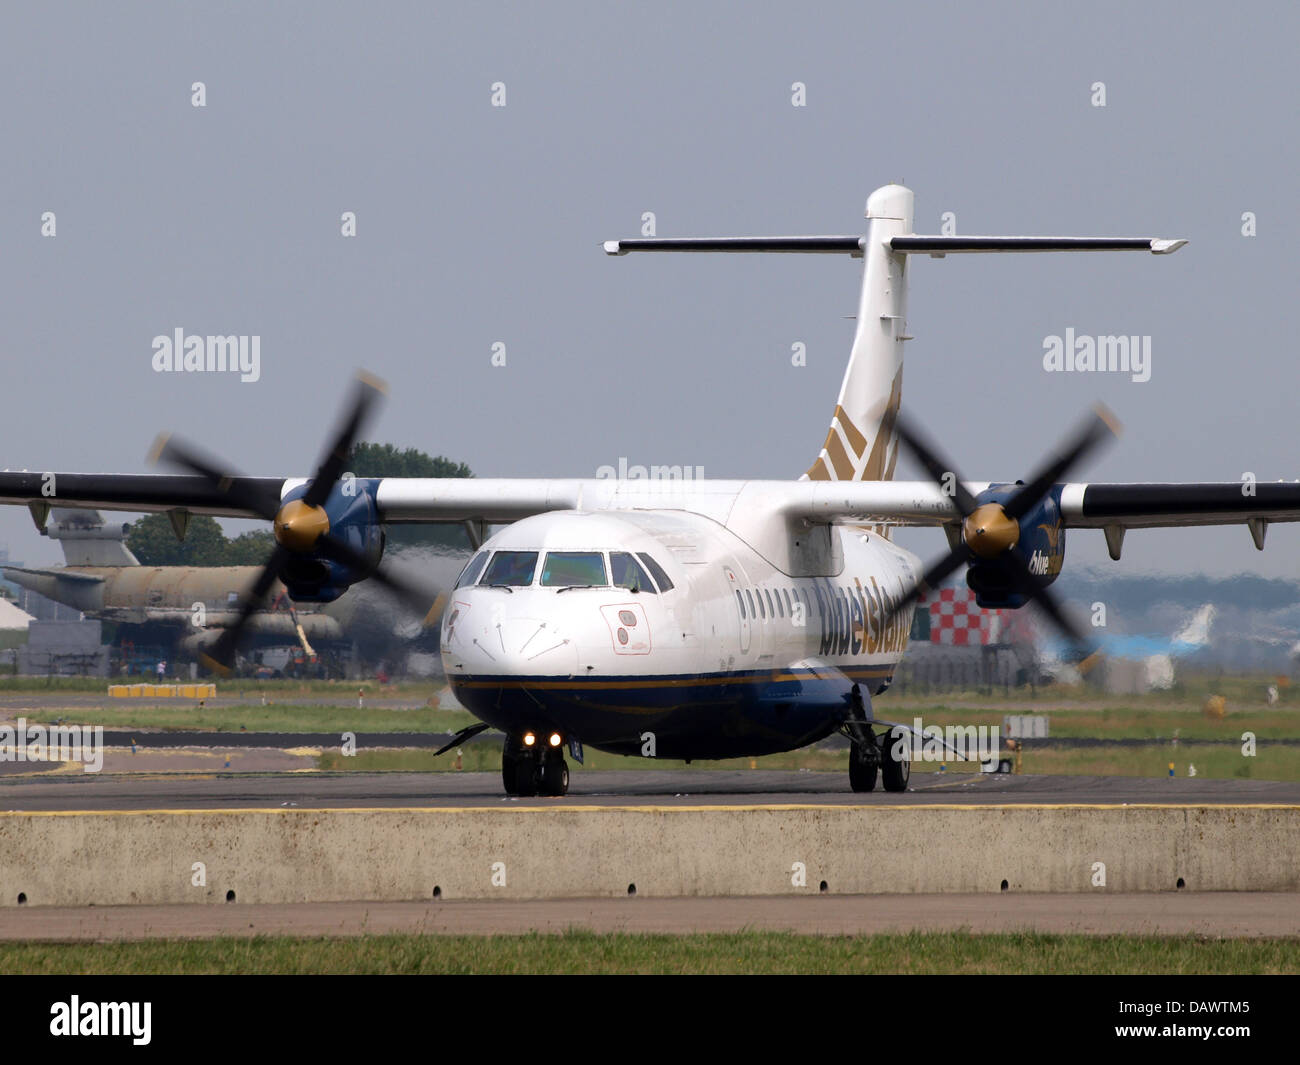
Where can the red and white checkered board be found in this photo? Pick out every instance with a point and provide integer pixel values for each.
(957, 621)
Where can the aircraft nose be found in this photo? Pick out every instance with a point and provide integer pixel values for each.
(504, 645)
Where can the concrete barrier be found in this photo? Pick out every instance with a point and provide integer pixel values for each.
(300, 855)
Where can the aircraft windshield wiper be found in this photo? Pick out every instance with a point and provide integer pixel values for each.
(507, 587)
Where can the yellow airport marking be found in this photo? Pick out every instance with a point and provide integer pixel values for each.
(779, 807)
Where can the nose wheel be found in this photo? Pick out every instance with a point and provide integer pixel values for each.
(528, 770)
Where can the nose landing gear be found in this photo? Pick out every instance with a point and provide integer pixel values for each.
(534, 768)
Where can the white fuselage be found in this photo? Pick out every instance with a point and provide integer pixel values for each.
(735, 658)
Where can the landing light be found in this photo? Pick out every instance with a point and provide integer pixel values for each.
(555, 739)
(529, 739)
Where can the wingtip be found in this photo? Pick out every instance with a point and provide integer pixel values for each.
(373, 381)
(1160, 246)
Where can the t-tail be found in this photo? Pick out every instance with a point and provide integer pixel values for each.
(861, 444)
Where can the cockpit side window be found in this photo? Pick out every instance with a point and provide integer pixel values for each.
(511, 568)
(628, 573)
(473, 570)
(656, 571)
(574, 569)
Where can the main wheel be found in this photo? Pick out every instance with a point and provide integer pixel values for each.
(525, 777)
(895, 770)
(555, 776)
(863, 763)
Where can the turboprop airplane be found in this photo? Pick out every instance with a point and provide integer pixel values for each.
(696, 618)
(1157, 654)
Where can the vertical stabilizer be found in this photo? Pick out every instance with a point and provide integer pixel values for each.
(860, 445)
(87, 541)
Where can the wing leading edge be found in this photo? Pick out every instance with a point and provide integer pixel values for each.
(1104, 506)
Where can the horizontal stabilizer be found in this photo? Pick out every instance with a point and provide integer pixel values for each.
(816, 245)
(914, 244)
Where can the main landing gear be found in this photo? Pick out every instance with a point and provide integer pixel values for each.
(533, 764)
(886, 755)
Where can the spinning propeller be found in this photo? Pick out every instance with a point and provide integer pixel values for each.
(301, 525)
(991, 530)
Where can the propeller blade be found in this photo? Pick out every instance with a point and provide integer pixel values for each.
(1031, 588)
(221, 658)
(168, 449)
(1102, 426)
(932, 578)
(416, 599)
(367, 391)
(938, 467)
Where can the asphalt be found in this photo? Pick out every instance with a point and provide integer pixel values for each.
(284, 740)
(740, 787)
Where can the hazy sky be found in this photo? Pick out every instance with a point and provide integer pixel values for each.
(479, 224)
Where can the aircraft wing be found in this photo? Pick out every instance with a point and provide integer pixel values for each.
(1113, 508)
(1144, 506)
(1086, 506)
(138, 493)
(1109, 506)
(57, 574)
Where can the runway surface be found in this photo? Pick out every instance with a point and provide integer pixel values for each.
(741, 787)
(1220, 914)
(171, 739)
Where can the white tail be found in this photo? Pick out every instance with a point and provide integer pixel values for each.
(1196, 633)
(859, 445)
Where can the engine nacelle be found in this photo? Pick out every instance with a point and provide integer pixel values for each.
(1041, 543)
(354, 519)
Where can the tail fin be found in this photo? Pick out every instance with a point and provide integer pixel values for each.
(860, 445)
(1196, 633)
(87, 541)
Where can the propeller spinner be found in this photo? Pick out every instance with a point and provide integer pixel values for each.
(991, 529)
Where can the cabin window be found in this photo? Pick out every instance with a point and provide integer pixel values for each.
(629, 574)
(741, 600)
(753, 610)
(762, 610)
(771, 610)
(656, 571)
(574, 569)
(473, 570)
(514, 569)
(788, 608)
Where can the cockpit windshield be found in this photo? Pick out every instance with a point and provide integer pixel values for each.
(574, 569)
(567, 569)
(514, 569)
(473, 570)
(629, 574)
